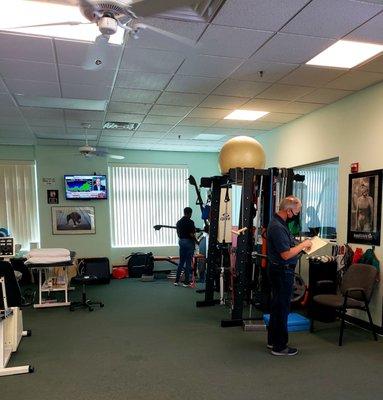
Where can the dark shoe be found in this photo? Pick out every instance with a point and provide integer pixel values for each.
(269, 346)
(186, 285)
(288, 351)
(176, 284)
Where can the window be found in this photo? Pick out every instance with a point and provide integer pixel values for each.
(142, 197)
(18, 199)
(319, 195)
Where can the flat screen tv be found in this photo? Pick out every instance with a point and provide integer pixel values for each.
(85, 187)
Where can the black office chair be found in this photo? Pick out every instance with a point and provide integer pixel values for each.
(12, 287)
(84, 278)
(356, 290)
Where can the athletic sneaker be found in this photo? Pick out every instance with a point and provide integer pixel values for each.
(176, 284)
(288, 351)
(186, 285)
(269, 346)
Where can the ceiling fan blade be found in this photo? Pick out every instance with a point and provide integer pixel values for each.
(168, 34)
(116, 157)
(52, 24)
(145, 8)
(96, 53)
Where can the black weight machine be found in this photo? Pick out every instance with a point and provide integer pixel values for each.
(265, 188)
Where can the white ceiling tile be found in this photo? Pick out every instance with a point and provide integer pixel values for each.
(48, 130)
(325, 96)
(217, 130)
(161, 119)
(153, 135)
(295, 49)
(243, 42)
(94, 92)
(266, 105)
(150, 60)
(12, 130)
(262, 71)
(307, 75)
(18, 140)
(258, 14)
(142, 80)
(201, 112)
(135, 95)
(12, 120)
(149, 39)
(190, 121)
(3, 88)
(140, 140)
(131, 108)
(210, 66)
(76, 53)
(226, 102)
(371, 31)
(196, 130)
(232, 87)
(46, 122)
(355, 80)
(375, 65)
(193, 84)
(171, 111)
(26, 47)
(279, 117)
(179, 138)
(119, 117)
(43, 113)
(230, 123)
(84, 116)
(116, 134)
(77, 75)
(298, 107)
(70, 123)
(284, 92)
(6, 100)
(264, 125)
(92, 134)
(36, 71)
(181, 99)
(329, 18)
(153, 128)
(34, 88)
(9, 112)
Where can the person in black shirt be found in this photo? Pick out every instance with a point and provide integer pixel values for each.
(185, 231)
(282, 251)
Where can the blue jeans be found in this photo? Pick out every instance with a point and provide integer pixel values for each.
(186, 257)
(281, 281)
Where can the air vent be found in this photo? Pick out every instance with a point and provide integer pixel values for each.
(200, 11)
(126, 126)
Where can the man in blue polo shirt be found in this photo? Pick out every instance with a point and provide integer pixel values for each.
(283, 251)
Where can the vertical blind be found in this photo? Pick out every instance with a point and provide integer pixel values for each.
(18, 199)
(142, 197)
(319, 195)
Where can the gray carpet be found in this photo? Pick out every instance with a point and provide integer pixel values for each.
(151, 342)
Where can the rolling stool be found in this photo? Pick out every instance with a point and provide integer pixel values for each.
(84, 303)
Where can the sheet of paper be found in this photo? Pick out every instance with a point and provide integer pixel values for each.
(317, 243)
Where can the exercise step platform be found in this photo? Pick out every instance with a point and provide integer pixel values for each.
(295, 323)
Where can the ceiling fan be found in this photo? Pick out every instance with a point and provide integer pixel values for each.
(109, 15)
(88, 151)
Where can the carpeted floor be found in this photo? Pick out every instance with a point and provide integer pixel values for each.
(151, 342)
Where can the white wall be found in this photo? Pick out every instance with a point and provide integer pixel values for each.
(351, 129)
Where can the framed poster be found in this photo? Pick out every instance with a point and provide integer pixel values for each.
(364, 207)
(73, 220)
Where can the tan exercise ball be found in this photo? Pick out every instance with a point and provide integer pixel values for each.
(241, 152)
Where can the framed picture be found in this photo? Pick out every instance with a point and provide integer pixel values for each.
(364, 207)
(53, 196)
(73, 220)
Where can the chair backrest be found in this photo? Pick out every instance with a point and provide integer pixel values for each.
(11, 285)
(359, 276)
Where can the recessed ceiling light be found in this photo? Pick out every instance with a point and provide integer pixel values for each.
(246, 115)
(207, 136)
(346, 54)
(37, 13)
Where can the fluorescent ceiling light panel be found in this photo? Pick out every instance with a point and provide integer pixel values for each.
(346, 54)
(57, 102)
(246, 115)
(36, 13)
(206, 136)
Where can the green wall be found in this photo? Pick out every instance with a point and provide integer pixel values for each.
(54, 162)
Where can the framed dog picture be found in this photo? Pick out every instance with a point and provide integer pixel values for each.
(364, 207)
(73, 220)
